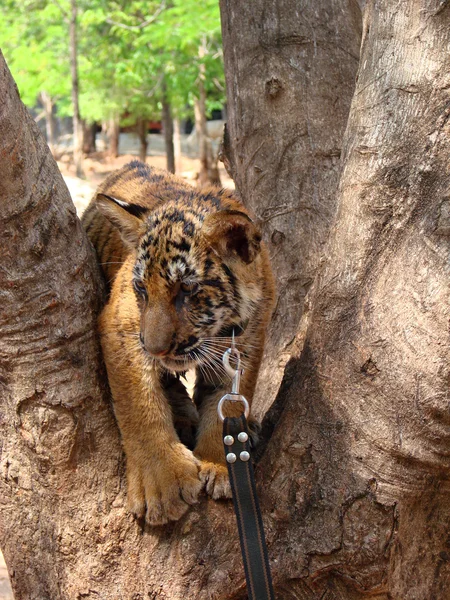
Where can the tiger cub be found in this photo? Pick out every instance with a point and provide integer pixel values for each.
(184, 269)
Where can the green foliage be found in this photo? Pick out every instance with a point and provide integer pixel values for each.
(34, 43)
(126, 50)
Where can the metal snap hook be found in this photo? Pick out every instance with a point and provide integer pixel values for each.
(235, 374)
(232, 398)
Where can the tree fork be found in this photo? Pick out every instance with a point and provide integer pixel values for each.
(354, 480)
(61, 480)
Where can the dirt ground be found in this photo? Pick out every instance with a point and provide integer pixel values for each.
(96, 168)
(5, 587)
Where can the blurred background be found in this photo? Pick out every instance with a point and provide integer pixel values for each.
(108, 81)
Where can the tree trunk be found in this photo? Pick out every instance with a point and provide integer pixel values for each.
(177, 146)
(290, 69)
(213, 164)
(89, 135)
(168, 130)
(141, 129)
(63, 528)
(353, 480)
(370, 451)
(200, 129)
(55, 420)
(50, 124)
(200, 124)
(209, 170)
(77, 129)
(112, 134)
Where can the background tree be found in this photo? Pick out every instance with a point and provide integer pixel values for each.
(124, 56)
(354, 476)
(184, 42)
(41, 68)
(72, 20)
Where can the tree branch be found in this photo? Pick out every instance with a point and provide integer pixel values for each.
(142, 25)
(64, 13)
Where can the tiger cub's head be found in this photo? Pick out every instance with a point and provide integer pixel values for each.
(197, 276)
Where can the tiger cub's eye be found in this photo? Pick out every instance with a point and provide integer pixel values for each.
(189, 289)
(140, 288)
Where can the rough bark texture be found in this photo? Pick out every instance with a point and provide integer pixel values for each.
(63, 528)
(354, 480)
(290, 70)
(370, 449)
(53, 416)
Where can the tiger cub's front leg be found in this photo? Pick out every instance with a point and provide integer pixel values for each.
(162, 474)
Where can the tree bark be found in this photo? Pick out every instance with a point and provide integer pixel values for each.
(50, 124)
(290, 69)
(113, 133)
(77, 129)
(141, 129)
(54, 415)
(207, 174)
(89, 135)
(177, 146)
(63, 528)
(213, 162)
(168, 130)
(371, 382)
(200, 128)
(354, 477)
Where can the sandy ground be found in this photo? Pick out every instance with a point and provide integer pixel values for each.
(97, 167)
(5, 587)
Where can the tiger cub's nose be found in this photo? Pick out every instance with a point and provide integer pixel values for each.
(158, 346)
(157, 330)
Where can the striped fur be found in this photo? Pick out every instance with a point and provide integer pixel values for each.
(184, 268)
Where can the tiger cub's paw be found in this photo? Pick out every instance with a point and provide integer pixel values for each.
(162, 488)
(214, 478)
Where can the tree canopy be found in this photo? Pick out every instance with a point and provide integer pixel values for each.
(127, 50)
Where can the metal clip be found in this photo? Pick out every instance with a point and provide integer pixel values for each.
(235, 374)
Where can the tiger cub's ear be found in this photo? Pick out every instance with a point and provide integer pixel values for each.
(128, 218)
(233, 234)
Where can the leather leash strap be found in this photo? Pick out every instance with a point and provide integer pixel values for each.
(246, 506)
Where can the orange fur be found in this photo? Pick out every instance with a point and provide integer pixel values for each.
(198, 269)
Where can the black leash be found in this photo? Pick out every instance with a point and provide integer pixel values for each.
(246, 506)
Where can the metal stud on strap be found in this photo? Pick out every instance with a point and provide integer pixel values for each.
(248, 513)
(246, 506)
